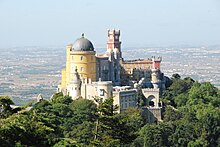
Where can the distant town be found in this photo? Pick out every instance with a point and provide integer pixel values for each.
(26, 72)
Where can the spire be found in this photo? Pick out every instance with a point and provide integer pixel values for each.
(75, 75)
(76, 69)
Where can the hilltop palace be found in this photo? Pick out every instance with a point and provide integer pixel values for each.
(88, 75)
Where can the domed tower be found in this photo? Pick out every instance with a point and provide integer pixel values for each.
(81, 55)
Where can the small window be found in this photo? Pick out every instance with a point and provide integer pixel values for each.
(159, 104)
(82, 69)
(101, 92)
(81, 58)
(91, 58)
(72, 58)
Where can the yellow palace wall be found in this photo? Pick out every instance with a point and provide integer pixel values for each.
(84, 61)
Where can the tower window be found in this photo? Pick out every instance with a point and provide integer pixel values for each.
(91, 58)
(81, 58)
(82, 69)
(72, 58)
(159, 104)
(101, 92)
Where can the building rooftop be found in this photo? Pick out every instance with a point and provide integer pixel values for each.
(139, 61)
(82, 44)
(101, 56)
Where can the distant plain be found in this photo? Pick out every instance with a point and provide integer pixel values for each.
(26, 72)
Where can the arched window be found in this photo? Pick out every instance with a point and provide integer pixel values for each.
(81, 58)
(151, 100)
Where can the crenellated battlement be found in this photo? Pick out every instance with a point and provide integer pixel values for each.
(150, 90)
(156, 59)
(114, 31)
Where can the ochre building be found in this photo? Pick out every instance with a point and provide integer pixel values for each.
(88, 74)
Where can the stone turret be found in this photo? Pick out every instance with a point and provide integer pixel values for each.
(39, 98)
(115, 55)
(154, 78)
(73, 89)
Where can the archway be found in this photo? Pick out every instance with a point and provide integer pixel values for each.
(151, 100)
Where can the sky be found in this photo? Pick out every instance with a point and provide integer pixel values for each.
(142, 22)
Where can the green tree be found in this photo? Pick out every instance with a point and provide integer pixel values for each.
(184, 133)
(5, 108)
(83, 110)
(106, 122)
(83, 134)
(203, 93)
(178, 86)
(24, 129)
(128, 124)
(154, 135)
(172, 114)
(209, 124)
(60, 98)
(175, 77)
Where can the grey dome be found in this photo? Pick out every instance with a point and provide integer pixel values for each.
(82, 44)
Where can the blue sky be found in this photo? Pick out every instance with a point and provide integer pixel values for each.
(142, 22)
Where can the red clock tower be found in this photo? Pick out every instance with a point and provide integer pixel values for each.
(113, 40)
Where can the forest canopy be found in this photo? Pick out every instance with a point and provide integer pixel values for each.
(190, 118)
